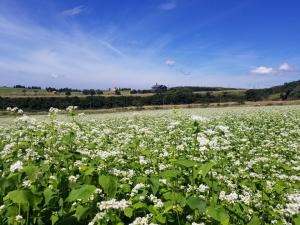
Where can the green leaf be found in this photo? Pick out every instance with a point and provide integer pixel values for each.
(196, 203)
(128, 212)
(5, 184)
(278, 188)
(68, 220)
(31, 172)
(169, 173)
(154, 184)
(297, 220)
(54, 219)
(48, 195)
(254, 221)
(80, 212)
(206, 167)
(219, 214)
(160, 218)
(20, 196)
(186, 163)
(83, 193)
(139, 205)
(109, 185)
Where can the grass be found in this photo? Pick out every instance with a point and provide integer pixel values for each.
(20, 92)
(220, 93)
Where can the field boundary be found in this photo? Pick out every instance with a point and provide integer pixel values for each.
(169, 107)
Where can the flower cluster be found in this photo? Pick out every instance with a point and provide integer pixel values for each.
(192, 167)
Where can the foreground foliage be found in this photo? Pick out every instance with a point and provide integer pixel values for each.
(168, 169)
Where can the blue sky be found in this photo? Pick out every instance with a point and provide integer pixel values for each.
(136, 43)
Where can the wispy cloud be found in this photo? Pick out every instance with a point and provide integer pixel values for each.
(263, 70)
(73, 11)
(168, 6)
(285, 67)
(170, 62)
(74, 58)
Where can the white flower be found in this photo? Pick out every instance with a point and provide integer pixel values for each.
(53, 110)
(18, 218)
(142, 220)
(157, 202)
(73, 179)
(193, 223)
(142, 160)
(98, 191)
(198, 118)
(293, 206)
(17, 166)
(2, 207)
(202, 140)
(136, 189)
(202, 188)
(26, 183)
(52, 177)
(231, 198)
(113, 204)
(71, 108)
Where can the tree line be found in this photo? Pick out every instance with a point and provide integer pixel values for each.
(172, 97)
(287, 91)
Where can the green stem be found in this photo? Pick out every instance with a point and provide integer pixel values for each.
(27, 217)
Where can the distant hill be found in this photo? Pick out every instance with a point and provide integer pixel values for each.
(287, 91)
(198, 89)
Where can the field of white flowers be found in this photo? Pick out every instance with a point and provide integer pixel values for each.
(237, 166)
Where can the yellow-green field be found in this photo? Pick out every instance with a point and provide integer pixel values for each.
(20, 92)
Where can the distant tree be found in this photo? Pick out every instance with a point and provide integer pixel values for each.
(254, 95)
(19, 86)
(133, 92)
(34, 87)
(35, 91)
(117, 92)
(51, 89)
(68, 93)
(99, 92)
(92, 92)
(85, 92)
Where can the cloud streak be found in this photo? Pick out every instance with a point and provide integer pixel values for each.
(73, 58)
(168, 6)
(73, 11)
(170, 62)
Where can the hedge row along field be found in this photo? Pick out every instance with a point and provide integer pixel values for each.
(175, 168)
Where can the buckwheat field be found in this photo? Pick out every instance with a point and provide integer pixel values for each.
(186, 167)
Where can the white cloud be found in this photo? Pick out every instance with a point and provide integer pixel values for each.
(263, 70)
(170, 62)
(168, 6)
(74, 11)
(75, 58)
(285, 67)
(56, 75)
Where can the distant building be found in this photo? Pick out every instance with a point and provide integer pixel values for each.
(159, 87)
